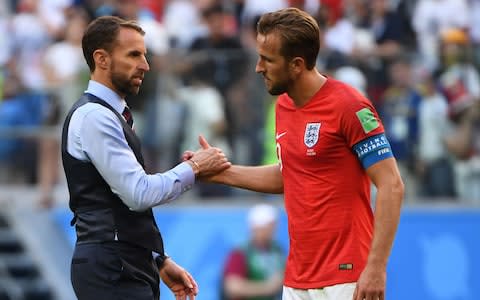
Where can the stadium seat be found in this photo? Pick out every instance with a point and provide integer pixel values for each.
(19, 275)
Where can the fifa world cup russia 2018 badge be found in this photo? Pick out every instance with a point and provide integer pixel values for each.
(312, 133)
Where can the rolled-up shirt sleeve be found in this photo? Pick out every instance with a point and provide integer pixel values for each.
(103, 143)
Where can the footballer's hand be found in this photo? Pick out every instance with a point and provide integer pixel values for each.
(371, 284)
(179, 281)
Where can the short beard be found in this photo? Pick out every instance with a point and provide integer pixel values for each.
(123, 84)
(280, 88)
(277, 90)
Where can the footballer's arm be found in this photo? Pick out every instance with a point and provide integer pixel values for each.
(263, 179)
(386, 177)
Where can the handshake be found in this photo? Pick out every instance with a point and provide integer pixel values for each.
(206, 161)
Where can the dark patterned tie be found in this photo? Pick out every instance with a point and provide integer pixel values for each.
(127, 114)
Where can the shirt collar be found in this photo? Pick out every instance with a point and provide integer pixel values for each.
(106, 94)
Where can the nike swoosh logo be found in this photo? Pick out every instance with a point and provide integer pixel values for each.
(279, 135)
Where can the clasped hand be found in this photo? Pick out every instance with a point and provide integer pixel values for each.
(209, 160)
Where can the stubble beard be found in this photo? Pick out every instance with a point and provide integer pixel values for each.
(123, 84)
(279, 88)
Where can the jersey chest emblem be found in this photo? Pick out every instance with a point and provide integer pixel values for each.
(312, 131)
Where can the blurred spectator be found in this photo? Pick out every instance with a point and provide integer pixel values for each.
(205, 116)
(183, 22)
(430, 18)
(464, 143)
(92, 7)
(458, 78)
(353, 77)
(162, 135)
(10, 116)
(5, 9)
(226, 56)
(329, 59)
(66, 75)
(404, 10)
(53, 14)
(380, 36)
(433, 162)
(250, 9)
(339, 32)
(63, 60)
(31, 35)
(475, 30)
(156, 7)
(6, 39)
(255, 270)
(399, 112)
(19, 110)
(460, 82)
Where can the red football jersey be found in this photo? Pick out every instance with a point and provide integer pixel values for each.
(327, 191)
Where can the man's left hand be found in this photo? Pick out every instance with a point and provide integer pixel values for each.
(371, 284)
(178, 280)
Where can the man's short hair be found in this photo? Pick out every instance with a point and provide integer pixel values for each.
(102, 33)
(298, 31)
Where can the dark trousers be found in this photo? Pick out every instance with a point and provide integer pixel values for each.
(114, 271)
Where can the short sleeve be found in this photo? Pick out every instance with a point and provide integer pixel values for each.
(364, 133)
(360, 120)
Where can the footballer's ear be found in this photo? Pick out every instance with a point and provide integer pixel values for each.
(101, 58)
(296, 65)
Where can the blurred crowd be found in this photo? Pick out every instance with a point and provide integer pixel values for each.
(416, 60)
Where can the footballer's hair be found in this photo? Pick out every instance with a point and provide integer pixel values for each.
(102, 33)
(299, 33)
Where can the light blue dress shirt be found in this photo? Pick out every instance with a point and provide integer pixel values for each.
(96, 135)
